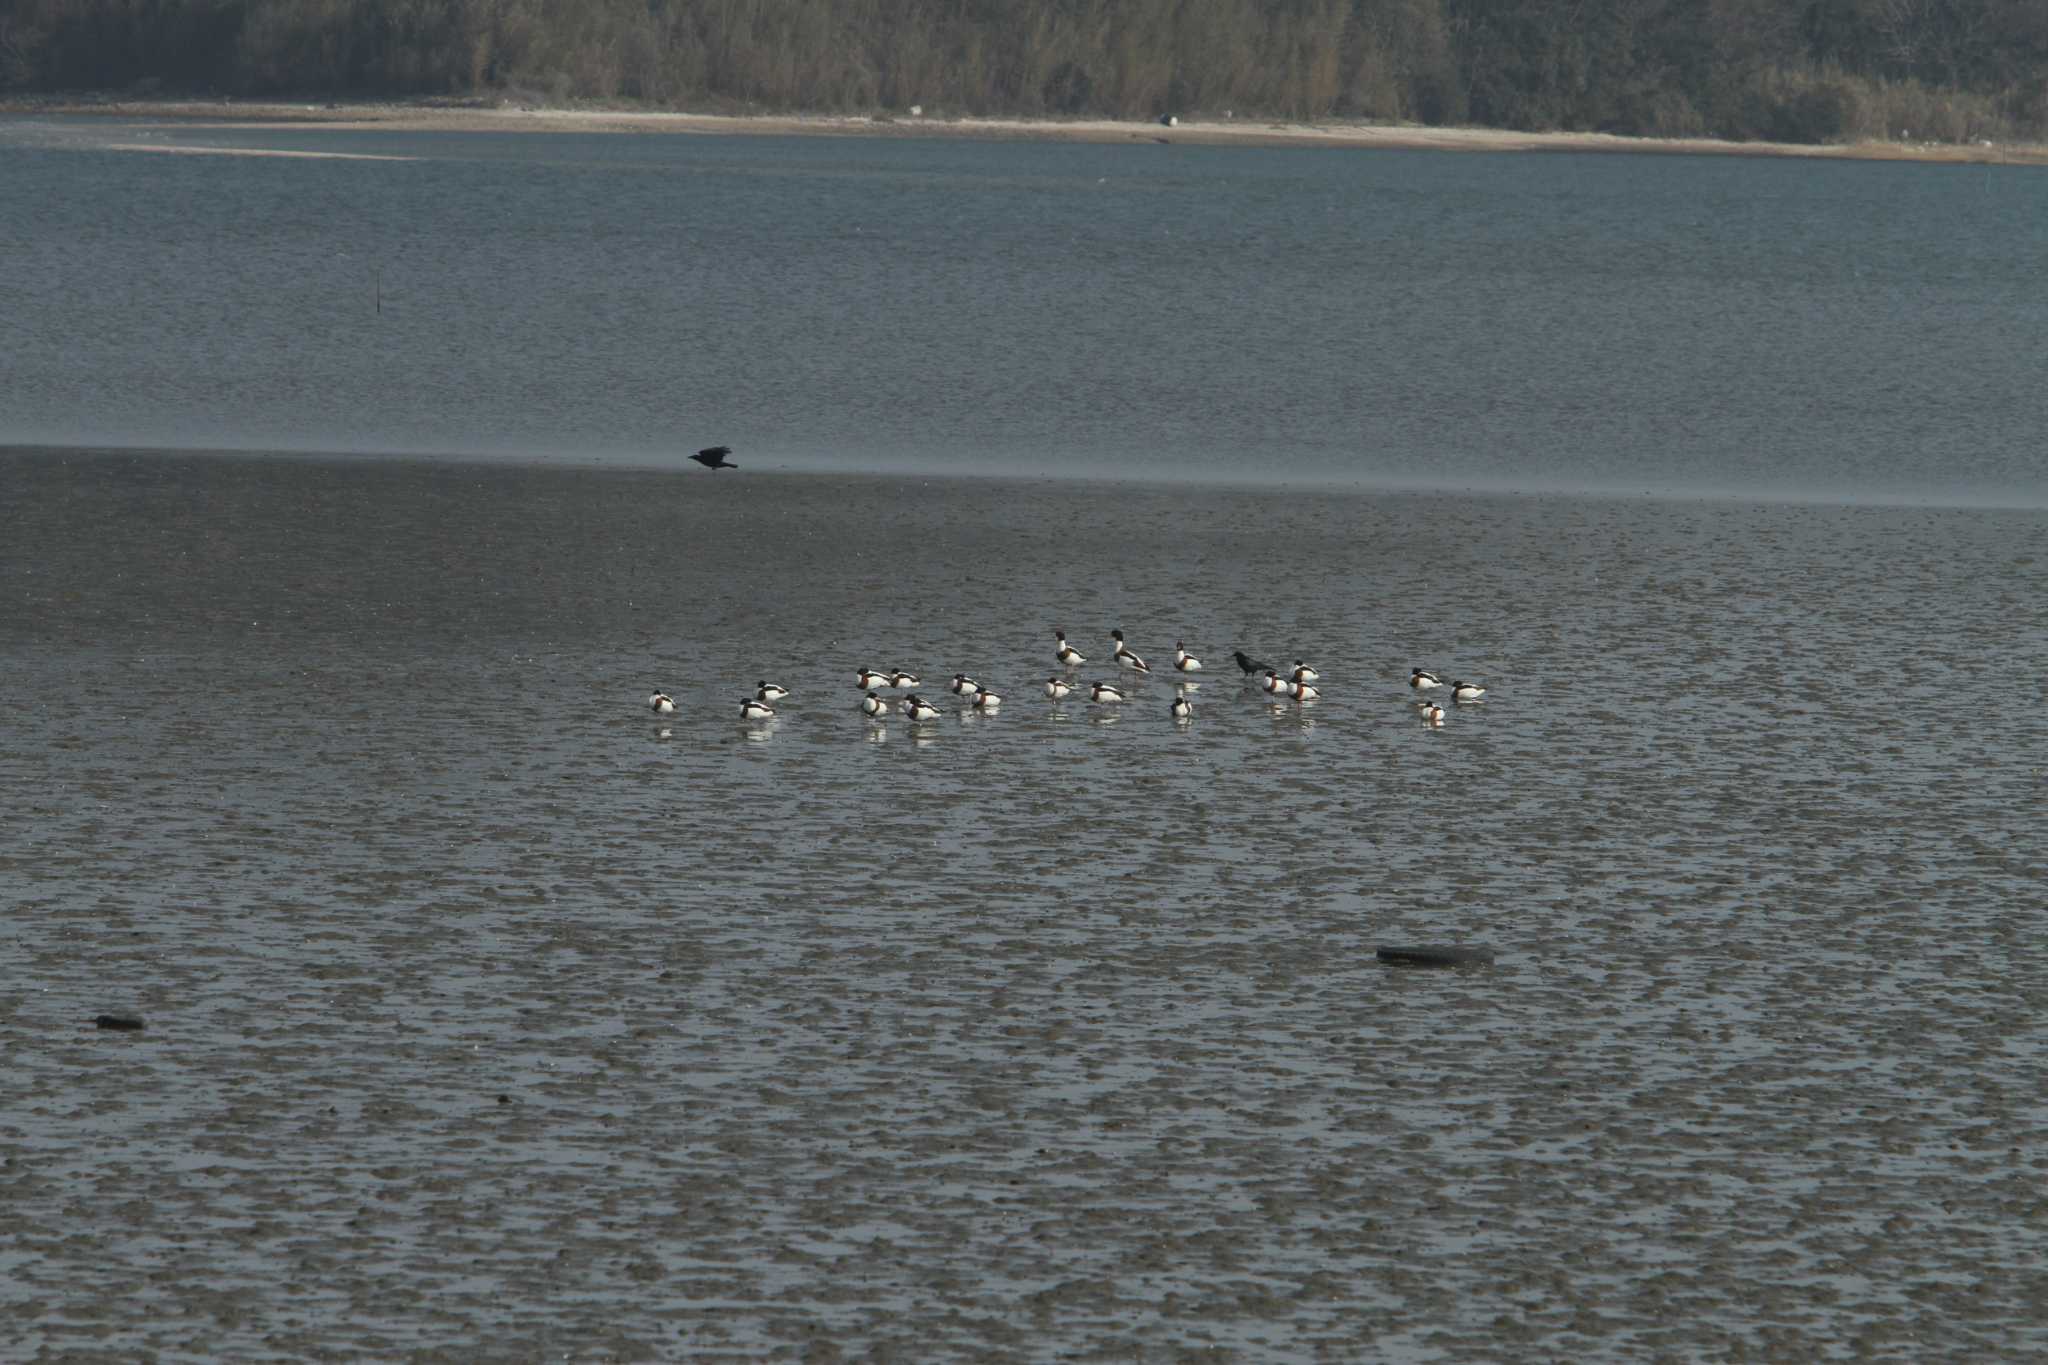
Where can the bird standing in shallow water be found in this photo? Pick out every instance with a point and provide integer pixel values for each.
(769, 691)
(1106, 693)
(756, 710)
(662, 703)
(1058, 688)
(1126, 657)
(1183, 661)
(1464, 691)
(873, 705)
(1422, 678)
(713, 457)
(1066, 653)
(1183, 709)
(1249, 665)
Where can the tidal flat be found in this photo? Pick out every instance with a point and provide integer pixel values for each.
(489, 1016)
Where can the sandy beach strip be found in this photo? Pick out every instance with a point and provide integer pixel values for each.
(1254, 132)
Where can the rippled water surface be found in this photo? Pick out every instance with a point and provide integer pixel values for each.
(1568, 321)
(489, 1017)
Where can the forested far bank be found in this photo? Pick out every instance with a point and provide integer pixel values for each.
(1784, 70)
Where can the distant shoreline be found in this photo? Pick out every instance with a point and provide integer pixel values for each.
(442, 116)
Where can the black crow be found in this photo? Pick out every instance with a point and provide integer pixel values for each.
(714, 458)
(1251, 665)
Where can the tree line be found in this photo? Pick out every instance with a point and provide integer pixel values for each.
(1790, 70)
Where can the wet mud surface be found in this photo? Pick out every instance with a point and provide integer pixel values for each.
(487, 1017)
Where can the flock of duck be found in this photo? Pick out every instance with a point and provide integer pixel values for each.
(1295, 684)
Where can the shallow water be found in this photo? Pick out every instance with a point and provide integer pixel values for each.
(488, 1017)
(849, 305)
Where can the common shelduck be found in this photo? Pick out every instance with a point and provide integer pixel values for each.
(1105, 692)
(917, 708)
(662, 703)
(985, 700)
(1125, 657)
(963, 685)
(1251, 667)
(873, 705)
(1303, 673)
(1183, 709)
(1066, 653)
(901, 680)
(1183, 661)
(1432, 714)
(1302, 692)
(870, 680)
(756, 710)
(1464, 691)
(1422, 677)
(1058, 688)
(768, 691)
(1274, 683)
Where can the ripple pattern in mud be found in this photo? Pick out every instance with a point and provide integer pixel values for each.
(488, 1017)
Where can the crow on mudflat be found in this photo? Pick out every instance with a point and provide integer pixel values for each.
(713, 457)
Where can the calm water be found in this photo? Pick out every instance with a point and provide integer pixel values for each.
(489, 1017)
(1487, 320)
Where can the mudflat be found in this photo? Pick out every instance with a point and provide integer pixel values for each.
(491, 1015)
